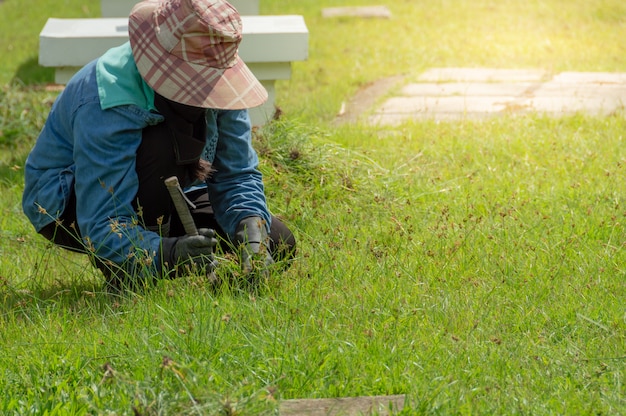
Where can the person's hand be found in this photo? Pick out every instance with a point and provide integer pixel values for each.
(253, 243)
(195, 251)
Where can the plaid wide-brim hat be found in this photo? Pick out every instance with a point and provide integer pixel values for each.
(186, 50)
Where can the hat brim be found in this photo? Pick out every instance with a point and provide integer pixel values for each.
(187, 83)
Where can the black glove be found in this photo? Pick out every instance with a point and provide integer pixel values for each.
(253, 241)
(191, 251)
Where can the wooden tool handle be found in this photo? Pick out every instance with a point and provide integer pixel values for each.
(176, 192)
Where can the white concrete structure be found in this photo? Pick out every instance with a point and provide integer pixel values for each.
(121, 8)
(269, 45)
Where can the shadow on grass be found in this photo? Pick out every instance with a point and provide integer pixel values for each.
(46, 280)
(31, 73)
(16, 303)
(59, 281)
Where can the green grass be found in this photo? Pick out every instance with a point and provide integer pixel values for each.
(477, 267)
(21, 23)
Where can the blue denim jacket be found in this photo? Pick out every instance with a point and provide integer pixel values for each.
(93, 150)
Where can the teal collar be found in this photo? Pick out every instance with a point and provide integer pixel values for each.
(119, 81)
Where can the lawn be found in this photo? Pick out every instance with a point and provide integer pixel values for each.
(478, 267)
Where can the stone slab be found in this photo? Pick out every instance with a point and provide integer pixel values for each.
(466, 89)
(482, 75)
(364, 12)
(598, 78)
(569, 105)
(452, 104)
(348, 406)
(580, 90)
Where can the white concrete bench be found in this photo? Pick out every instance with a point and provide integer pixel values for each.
(121, 8)
(269, 45)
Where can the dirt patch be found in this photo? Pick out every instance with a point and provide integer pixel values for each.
(365, 99)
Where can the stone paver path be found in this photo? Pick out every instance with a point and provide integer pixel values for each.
(470, 93)
(347, 406)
